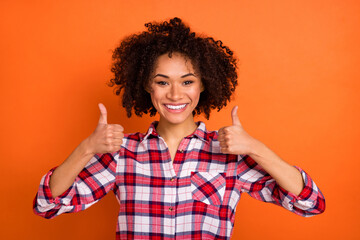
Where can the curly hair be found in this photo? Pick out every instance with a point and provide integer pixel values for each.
(134, 59)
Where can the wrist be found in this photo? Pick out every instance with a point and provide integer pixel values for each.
(256, 148)
(86, 148)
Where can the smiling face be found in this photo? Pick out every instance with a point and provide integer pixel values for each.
(175, 89)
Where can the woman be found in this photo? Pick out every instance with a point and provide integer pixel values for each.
(178, 180)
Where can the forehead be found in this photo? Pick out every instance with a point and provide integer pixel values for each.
(174, 65)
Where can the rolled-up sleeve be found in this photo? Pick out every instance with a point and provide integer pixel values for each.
(92, 183)
(260, 185)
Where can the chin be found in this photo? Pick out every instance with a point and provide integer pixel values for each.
(177, 119)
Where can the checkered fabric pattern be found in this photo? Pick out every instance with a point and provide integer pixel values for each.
(208, 187)
(193, 197)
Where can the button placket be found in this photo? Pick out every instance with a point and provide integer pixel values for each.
(171, 208)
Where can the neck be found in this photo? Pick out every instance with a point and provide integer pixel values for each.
(175, 132)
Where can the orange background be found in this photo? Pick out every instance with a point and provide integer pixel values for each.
(298, 93)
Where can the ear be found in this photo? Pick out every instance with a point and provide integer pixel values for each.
(202, 88)
(147, 87)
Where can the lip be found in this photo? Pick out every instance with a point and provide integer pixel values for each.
(176, 110)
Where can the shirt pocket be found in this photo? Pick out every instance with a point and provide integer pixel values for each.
(208, 187)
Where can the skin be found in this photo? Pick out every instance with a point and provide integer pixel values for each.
(235, 140)
(105, 138)
(175, 82)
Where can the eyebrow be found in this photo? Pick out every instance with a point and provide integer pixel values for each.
(164, 76)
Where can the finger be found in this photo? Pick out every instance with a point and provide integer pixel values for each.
(113, 149)
(117, 128)
(103, 114)
(221, 131)
(117, 142)
(223, 145)
(118, 136)
(234, 116)
(224, 150)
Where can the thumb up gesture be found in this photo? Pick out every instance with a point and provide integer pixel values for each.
(106, 138)
(234, 139)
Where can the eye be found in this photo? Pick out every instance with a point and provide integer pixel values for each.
(162, 83)
(188, 82)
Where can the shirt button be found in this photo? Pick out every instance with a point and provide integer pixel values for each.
(181, 151)
(170, 209)
(172, 179)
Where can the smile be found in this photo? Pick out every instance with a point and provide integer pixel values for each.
(175, 107)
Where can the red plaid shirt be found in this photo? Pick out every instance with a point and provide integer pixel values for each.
(193, 197)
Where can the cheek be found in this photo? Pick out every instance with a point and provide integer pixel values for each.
(155, 99)
(154, 95)
(195, 93)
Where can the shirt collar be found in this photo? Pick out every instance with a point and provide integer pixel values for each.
(200, 132)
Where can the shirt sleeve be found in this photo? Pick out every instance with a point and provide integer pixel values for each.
(92, 183)
(260, 185)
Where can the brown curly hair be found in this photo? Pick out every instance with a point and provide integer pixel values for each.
(133, 62)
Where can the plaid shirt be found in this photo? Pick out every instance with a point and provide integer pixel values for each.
(193, 197)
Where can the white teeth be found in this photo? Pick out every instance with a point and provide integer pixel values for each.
(177, 107)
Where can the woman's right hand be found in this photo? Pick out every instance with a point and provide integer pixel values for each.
(106, 138)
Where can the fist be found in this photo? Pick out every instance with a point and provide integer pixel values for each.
(234, 139)
(106, 138)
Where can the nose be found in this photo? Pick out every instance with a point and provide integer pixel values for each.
(174, 93)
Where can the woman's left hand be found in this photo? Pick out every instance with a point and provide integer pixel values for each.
(234, 139)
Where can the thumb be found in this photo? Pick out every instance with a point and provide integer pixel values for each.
(103, 114)
(234, 116)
